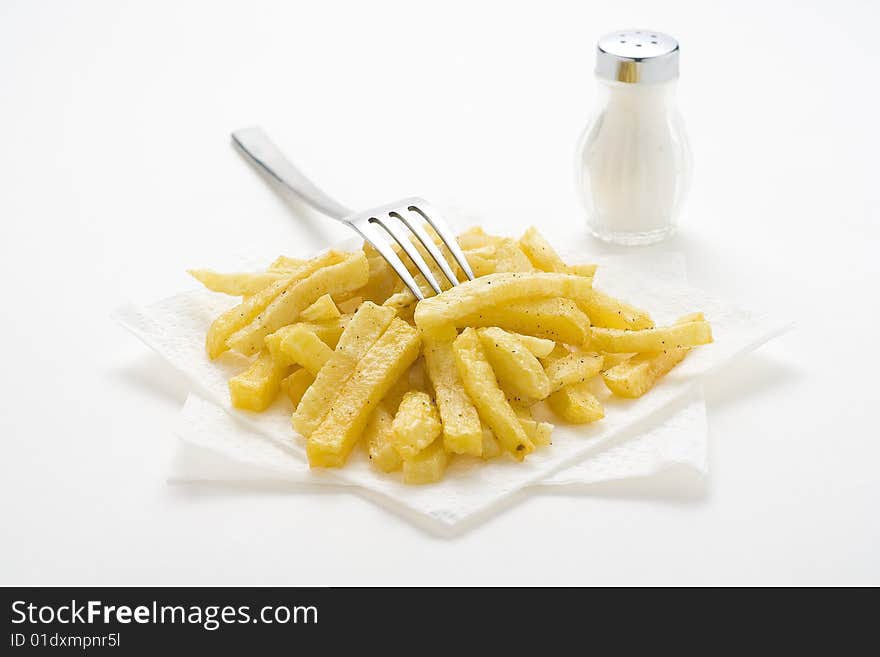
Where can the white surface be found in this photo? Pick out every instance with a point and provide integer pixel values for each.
(117, 174)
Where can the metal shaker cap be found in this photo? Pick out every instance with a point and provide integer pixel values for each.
(637, 57)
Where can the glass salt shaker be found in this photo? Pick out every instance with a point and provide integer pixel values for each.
(633, 161)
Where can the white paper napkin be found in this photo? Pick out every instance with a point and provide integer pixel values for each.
(175, 329)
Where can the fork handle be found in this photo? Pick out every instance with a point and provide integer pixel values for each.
(265, 154)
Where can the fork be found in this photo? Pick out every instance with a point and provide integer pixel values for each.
(400, 220)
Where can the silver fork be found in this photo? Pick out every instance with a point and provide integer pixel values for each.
(396, 219)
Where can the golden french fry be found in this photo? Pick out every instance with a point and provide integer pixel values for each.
(350, 306)
(416, 424)
(322, 310)
(540, 347)
(634, 376)
(303, 347)
(427, 466)
(690, 334)
(491, 447)
(509, 257)
(331, 443)
(545, 257)
(582, 270)
(417, 376)
(282, 263)
(555, 319)
(462, 433)
(516, 368)
(608, 312)
(543, 434)
(480, 264)
(610, 360)
(285, 307)
(538, 432)
(256, 388)
(571, 368)
(379, 438)
(296, 384)
(576, 404)
(482, 387)
(395, 395)
(240, 285)
(475, 238)
(329, 330)
(540, 252)
(251, 308)
(362, 332)
(496, 289)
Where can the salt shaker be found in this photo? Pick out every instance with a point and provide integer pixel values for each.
(633, 162)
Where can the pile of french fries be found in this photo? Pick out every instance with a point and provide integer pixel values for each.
(456, 375)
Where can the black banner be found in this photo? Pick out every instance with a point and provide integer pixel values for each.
(133, 621)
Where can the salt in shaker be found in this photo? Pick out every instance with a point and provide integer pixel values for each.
(633, 162)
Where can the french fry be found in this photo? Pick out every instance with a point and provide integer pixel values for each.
(543, 434)
(379, 438)
(362, 332)
(323, 309)
(491, 447)
(538, 432)
(482, 387)
(239, 285)
(296, 384)
(374, 375)
(481, 264)
(417, 376)
(582, 270)
(282, 263)
(251, 308)
(329, 330)
(576, 404)
(471, 297)
(462, 433)
(540, 347)
(545, 257)
(427, 466)
(394, 396)
(690, 334)
(554, 319)
(256, 388)
(608, 312)
(382, 279)
(286, 306)
(516, 368)
(350, 306)
(475, 238)
(634, 376)
(540, 252)
(509, 257)
(416, 424)
(610, 360)
(303, 347)
(572, 368)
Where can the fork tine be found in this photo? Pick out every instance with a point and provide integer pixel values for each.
(374, 237)
(429, 244)
(390, 224)
(445, 234)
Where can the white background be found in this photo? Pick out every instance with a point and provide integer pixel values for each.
(116, 173)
